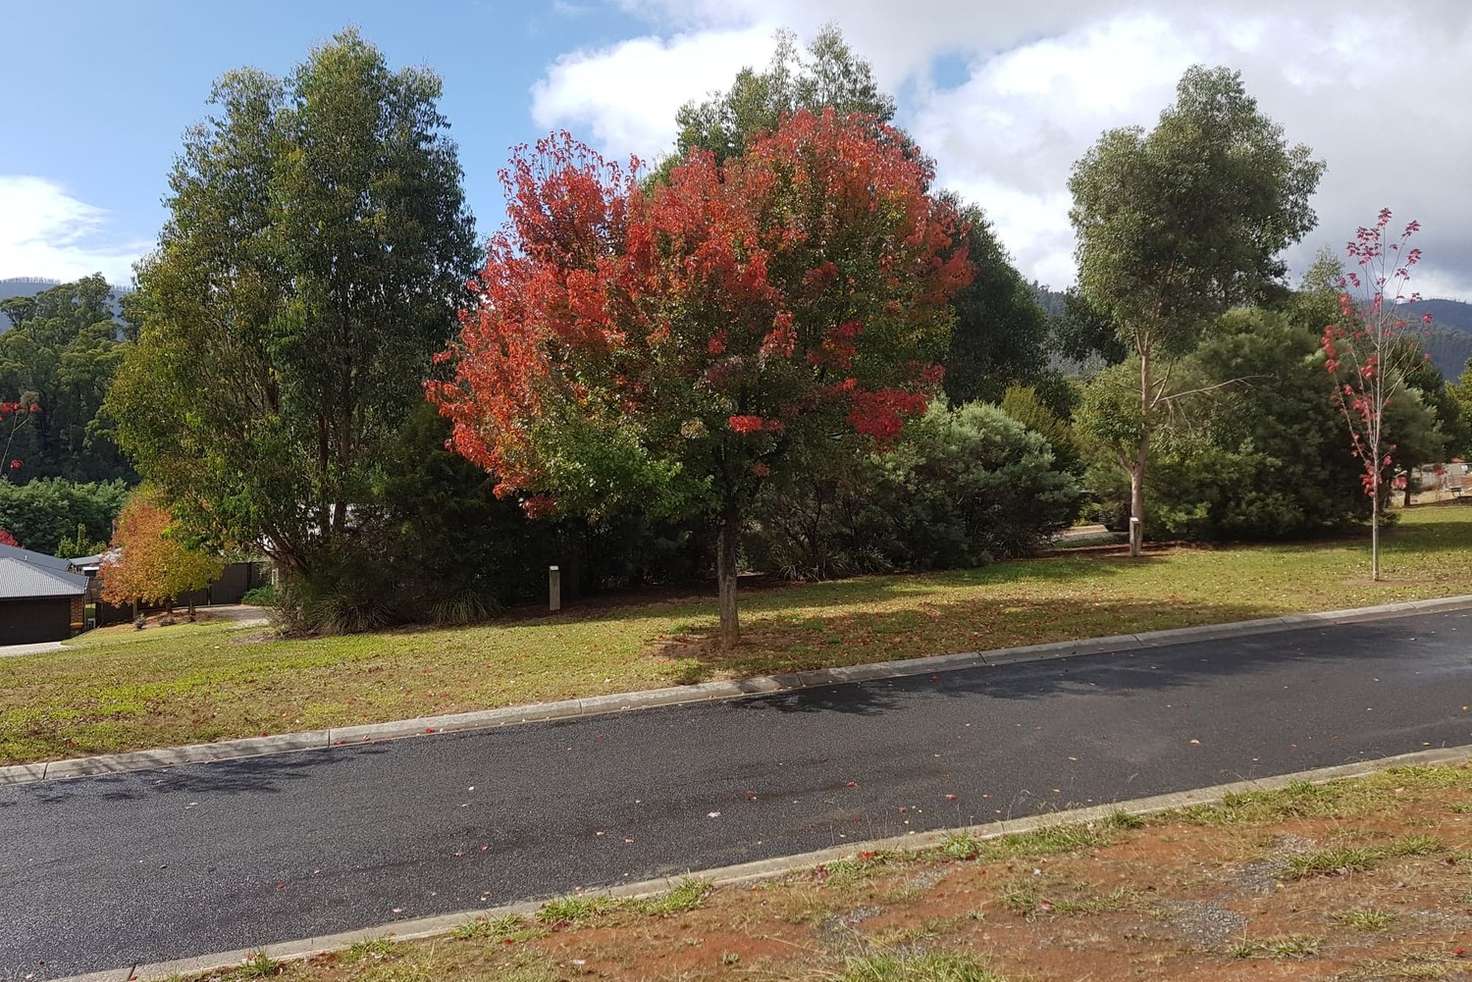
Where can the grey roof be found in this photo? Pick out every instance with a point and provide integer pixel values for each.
(34, 558)
(20, 579)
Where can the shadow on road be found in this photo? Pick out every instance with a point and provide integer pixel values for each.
(269, 774)
(1112, 674)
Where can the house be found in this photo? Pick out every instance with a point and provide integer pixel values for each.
(41, 598)
(1453, 477)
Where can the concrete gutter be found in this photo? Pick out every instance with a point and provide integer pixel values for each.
(764, 869)
(747, 688)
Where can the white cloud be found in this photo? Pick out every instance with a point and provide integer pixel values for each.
(46, 232)
(624, 98)
(1379, 97)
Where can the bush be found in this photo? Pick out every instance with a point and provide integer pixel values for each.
(974, 485)
(1024, 404)
(1264, 457)
(963, 487)
(260, 596)
(446, 550)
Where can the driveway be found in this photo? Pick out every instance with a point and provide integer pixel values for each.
(13, 650)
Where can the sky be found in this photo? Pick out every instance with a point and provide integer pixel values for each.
(94, 98)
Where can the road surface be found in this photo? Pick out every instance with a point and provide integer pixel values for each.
(134, 868)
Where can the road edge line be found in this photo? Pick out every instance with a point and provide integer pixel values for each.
(717, 691)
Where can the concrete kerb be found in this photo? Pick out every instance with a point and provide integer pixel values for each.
(702, 692)
(765, 869)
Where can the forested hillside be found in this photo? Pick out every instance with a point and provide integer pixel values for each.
(58, 355)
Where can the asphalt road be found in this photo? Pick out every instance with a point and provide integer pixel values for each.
(107, 872)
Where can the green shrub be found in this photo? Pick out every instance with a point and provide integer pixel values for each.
(963, 487)
(260, 596)
(1258, 452)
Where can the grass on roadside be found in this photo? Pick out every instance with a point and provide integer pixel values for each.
(120, 689)
(1120, 898)
(1357, 859)
(1365, 920)
(1282, 946)
(685, 896)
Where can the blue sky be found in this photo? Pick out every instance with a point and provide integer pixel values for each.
(103, 91)
(94, 97)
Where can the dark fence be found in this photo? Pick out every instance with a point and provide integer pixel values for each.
(235, 581)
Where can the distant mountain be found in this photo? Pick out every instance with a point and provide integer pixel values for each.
(1449, 338)
(21, 286)
(29, 286)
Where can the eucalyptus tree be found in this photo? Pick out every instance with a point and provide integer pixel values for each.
(1177, 224)
(316, 251)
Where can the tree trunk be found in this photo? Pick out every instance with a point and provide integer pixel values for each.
(1137, 504)
(1375, 525)
(1408, 488)
(727, 551)
(1137, 467)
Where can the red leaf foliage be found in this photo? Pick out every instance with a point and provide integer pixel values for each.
(727, 312)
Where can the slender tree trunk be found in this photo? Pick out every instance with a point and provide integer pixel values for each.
(727, 551)
(1375, 525)
(1408, 488)
(1137, 504)
(1137, 467)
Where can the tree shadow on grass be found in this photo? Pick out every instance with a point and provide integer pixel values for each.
(860, 636)
(766, 594)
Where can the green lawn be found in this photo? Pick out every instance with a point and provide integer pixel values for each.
(120, 689)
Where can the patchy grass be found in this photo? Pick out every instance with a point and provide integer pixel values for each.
(576, 910)
(1283, 946)
(259, 966)
(1340, 860)
(1364, 920)
(926, 967)
(1032, 897)
(687, 895)
(374, 949)
(1166, 898)
(1050, 840)
(120, 689)
(509, 928)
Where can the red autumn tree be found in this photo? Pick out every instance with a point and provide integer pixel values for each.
(1370, 351)
(673, 346)
(6, 539)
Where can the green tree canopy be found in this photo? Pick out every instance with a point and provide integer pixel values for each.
(1177, 224)
(46, 513)
(63, 350)
(827, 75)
(1001, 332)
(316, 250)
